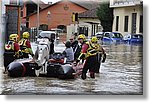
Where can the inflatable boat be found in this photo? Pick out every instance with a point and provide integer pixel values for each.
(55, 67)
(42, 63)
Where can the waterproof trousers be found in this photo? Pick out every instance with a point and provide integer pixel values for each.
(90, 64)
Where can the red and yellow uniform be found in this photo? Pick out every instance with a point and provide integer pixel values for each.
(25, 45)
(101, 57)
(88, 53)
(12, 50)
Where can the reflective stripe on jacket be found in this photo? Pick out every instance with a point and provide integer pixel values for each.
(88, 49)
(23, 45)
(92, 49)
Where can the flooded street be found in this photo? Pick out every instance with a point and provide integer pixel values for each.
(122, 73)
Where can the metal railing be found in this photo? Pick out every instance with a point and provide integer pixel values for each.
(125, 2)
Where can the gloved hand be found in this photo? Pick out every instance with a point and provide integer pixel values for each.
(32, 55)
(77, 61)
(104, 58)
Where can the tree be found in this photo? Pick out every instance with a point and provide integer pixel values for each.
(105, 15)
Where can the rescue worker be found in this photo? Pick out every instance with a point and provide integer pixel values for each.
(101, 54)
(25, 45)
(12, 50)
(89, 53)
(68, 52)
(81, 39)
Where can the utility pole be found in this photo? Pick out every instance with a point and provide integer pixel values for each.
(38, 10)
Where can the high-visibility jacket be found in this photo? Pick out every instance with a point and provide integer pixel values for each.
(25, 46)
(99, 48)
(88, 49)
(92, 49)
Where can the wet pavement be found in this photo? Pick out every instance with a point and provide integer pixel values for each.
(121, 74)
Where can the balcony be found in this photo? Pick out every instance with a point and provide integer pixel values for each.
(123, 3)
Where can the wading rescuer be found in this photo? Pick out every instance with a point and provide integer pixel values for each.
(89, 53)
(25, 45)
(101, 54)
(12, 50)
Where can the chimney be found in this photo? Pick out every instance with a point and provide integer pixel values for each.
(50, 3)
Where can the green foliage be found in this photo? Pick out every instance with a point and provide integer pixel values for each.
(105, 15)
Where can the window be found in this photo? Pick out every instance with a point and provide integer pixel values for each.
(117, 35)
(126, 23)
(107, 35)
(141, 24)
(117, 22)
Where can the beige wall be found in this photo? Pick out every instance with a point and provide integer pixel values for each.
(127, 11)
(72, 28)
(82, 22)
(0, 11)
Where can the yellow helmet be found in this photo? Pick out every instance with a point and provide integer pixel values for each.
(13, 37)
(26, 35)
(94, 40)
(82, 36)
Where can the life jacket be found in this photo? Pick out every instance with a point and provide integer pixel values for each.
(9, 47)
(23, 45)
(92, 50)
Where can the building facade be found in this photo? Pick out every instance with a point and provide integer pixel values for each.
(89, 23)
(56, 15)
(128, 16)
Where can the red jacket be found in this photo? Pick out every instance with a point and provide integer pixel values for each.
(28, 44)
(16, 47)
(84, 48)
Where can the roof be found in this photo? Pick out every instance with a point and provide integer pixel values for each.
(87, 5)
(34, 1)
(42, 6)
(62, 1)
(41, 3)
(88, 14)
(55, 4)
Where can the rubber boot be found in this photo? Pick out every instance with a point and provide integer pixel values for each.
(92, 75)
(83, 76)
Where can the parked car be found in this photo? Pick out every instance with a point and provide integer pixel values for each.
(99, 35)
(133, 38)
(51, 35)
(112, 37)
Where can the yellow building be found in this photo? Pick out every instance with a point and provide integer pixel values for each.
(128, 16)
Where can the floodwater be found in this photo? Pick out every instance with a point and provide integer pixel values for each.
(121, 74)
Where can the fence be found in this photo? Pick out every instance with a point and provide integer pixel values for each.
(33, 34)
(32, 31)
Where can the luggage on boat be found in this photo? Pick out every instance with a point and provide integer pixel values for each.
(58, 68)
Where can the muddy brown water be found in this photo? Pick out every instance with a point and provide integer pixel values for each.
(121, 74)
